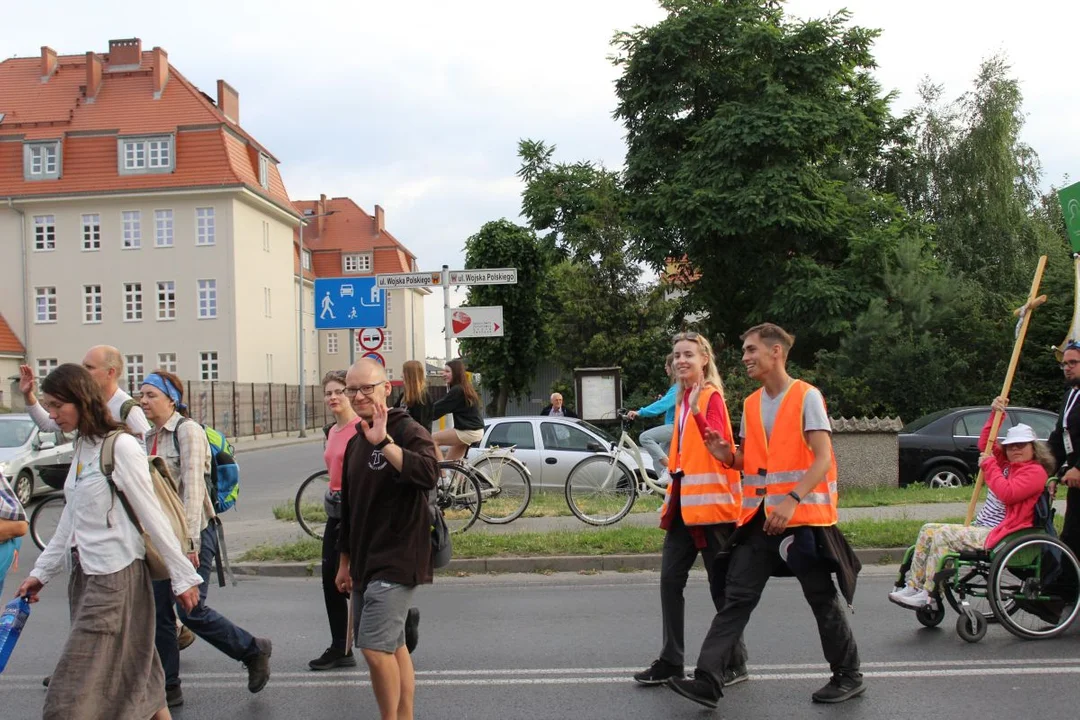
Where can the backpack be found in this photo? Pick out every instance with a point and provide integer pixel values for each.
(441, 546)
(171, 505)
(223, 482)
(126, 408)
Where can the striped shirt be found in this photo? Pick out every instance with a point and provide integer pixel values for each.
(10, 507)
(992, 513)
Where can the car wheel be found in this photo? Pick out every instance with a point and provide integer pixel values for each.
(24, 487)
(945, 476)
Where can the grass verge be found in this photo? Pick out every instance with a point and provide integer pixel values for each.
(910, 495)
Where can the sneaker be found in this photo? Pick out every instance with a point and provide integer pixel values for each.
(906, 591)
(174, 696)
(412, 629)
(664, 480)
(258, 666)
(839, 689)
(917, 600)
(698, 689)
(734, 676)
(332, 658)
(659, 672)
(184, 638)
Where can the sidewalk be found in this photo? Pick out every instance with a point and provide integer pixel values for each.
(266, 442)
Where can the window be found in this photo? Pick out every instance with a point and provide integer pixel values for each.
(132, 221)
(146, 155)
(387, 342)
(42, 161)
(266, 302)
(306, 262)
(163, 228)
(204, 226)
(208, 298)
(971, 424)
(46, 304)
(389, 305)
(331, 343)
(44, 232)
(166, 300)
(46, 366)
(269, 367)
(266, 236)
(505, 434)
(208, 365)
(1042, 423)
(264, 171)
(132, 302)
(135, 372)
(167, 362)
(91, 303)
(356, 263)
(559, 436)
(91, 232)
(389, 373)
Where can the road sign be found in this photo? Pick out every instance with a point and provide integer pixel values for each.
(371, 338)
(475, 322)
(376, 357)
(348, 302)
(484, 276)
(388, 281)
(1070, 207)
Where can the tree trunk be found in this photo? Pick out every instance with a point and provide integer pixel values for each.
(501, 400)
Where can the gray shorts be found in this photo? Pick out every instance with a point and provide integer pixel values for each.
(379, 615)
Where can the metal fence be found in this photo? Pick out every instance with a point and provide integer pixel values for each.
(253, 409)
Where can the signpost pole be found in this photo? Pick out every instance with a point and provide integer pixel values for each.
(446, 309)
(352, 346)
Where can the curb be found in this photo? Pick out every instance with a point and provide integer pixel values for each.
(270, 443)
(556, 563)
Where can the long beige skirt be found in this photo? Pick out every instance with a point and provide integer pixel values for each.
(109, 668)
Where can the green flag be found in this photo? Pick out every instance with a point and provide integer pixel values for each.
(1070, 206)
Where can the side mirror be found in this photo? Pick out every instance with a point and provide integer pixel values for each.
(593, 446)
(46, 445)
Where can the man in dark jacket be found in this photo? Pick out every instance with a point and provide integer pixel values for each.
(557, 408)
(385, 533)
(1065, 443)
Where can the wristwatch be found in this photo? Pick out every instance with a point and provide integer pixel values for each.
(384, 442)
(796, 496)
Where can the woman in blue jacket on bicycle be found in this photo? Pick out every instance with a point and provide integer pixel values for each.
(657, 440)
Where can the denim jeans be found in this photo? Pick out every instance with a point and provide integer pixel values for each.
(204, 621)
(656, 441)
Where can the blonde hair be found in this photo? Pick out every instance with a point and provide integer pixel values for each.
(415, 383)
(1045, 457)
(710, 371)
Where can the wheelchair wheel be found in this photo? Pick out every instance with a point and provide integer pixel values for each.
(974, 592)
(930, 615)
(1035, 587)
(971, 627)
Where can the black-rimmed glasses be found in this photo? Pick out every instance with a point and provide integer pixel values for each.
(363, 389)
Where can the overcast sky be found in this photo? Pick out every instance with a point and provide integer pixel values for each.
(418, 106)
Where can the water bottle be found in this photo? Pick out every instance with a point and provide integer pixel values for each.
(11, 624)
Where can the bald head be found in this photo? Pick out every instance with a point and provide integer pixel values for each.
(367, 379)
(106, 366)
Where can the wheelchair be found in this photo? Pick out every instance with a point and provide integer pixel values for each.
(1029, 583)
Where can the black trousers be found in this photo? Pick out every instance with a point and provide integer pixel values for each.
(678, 557)
(1070, 531)
(751, 565)
(337, 602)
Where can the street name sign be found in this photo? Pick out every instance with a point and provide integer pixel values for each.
(477, 322)
(484, 276)
(349, 302)
(390, 281)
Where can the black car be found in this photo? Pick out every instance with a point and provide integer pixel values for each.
(941, 449)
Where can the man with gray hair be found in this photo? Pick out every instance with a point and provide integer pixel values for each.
(557, 408)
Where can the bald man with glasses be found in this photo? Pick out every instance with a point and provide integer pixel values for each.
(1065, 443)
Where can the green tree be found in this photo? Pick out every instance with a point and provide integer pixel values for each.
(508, 363)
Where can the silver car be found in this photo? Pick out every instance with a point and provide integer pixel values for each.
(549, 446)
(33, 461)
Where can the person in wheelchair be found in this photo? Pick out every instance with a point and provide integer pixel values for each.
(1015, 473)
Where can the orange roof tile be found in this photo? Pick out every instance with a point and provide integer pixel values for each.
(9, 344)
(211, 150)
(349, 229)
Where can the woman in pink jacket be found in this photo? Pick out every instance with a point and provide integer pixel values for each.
(1016, 473)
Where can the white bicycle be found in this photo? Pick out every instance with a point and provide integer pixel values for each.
(602, 489)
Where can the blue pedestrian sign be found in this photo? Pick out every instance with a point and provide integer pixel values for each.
(346, 303)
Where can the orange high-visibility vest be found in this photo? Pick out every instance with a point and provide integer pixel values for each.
(709, 493)
(773, 466)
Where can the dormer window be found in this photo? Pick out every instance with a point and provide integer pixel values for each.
(42, 160)
(264, 171)
(145, 155)
(356, 263)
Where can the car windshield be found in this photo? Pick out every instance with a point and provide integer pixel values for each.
(599, 431)
(917, 425)
(14, 432)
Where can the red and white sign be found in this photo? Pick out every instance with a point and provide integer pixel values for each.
(474, 322)
(371, 338)
(376, 357)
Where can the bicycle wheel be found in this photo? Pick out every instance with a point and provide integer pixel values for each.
(600, 490)
(308, 506)
(45, 519)
(505, 489)
(458, 495)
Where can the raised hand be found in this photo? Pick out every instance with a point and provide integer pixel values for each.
(999, 404)
(375, 432)
(695, 393)
(27, 381)
(717, 446)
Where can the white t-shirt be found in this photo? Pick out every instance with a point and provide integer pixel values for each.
(815, 416)
(136, 420)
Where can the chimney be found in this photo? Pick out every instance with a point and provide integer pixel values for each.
(48, 63)
(322, 213)
(93, 76)
(125, 53)
(161, 72)
(380, 220)
(228, 101)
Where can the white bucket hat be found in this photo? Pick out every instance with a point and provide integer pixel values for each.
(1019, 434)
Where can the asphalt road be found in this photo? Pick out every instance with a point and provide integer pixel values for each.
(564, 646)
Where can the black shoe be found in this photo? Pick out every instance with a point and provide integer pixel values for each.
(333, 658)
(412, 629)
(45, 682)
(659, 672)
(839, 689)
(258, 666)
(174, 696)
(734, 676)
(697, 689)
